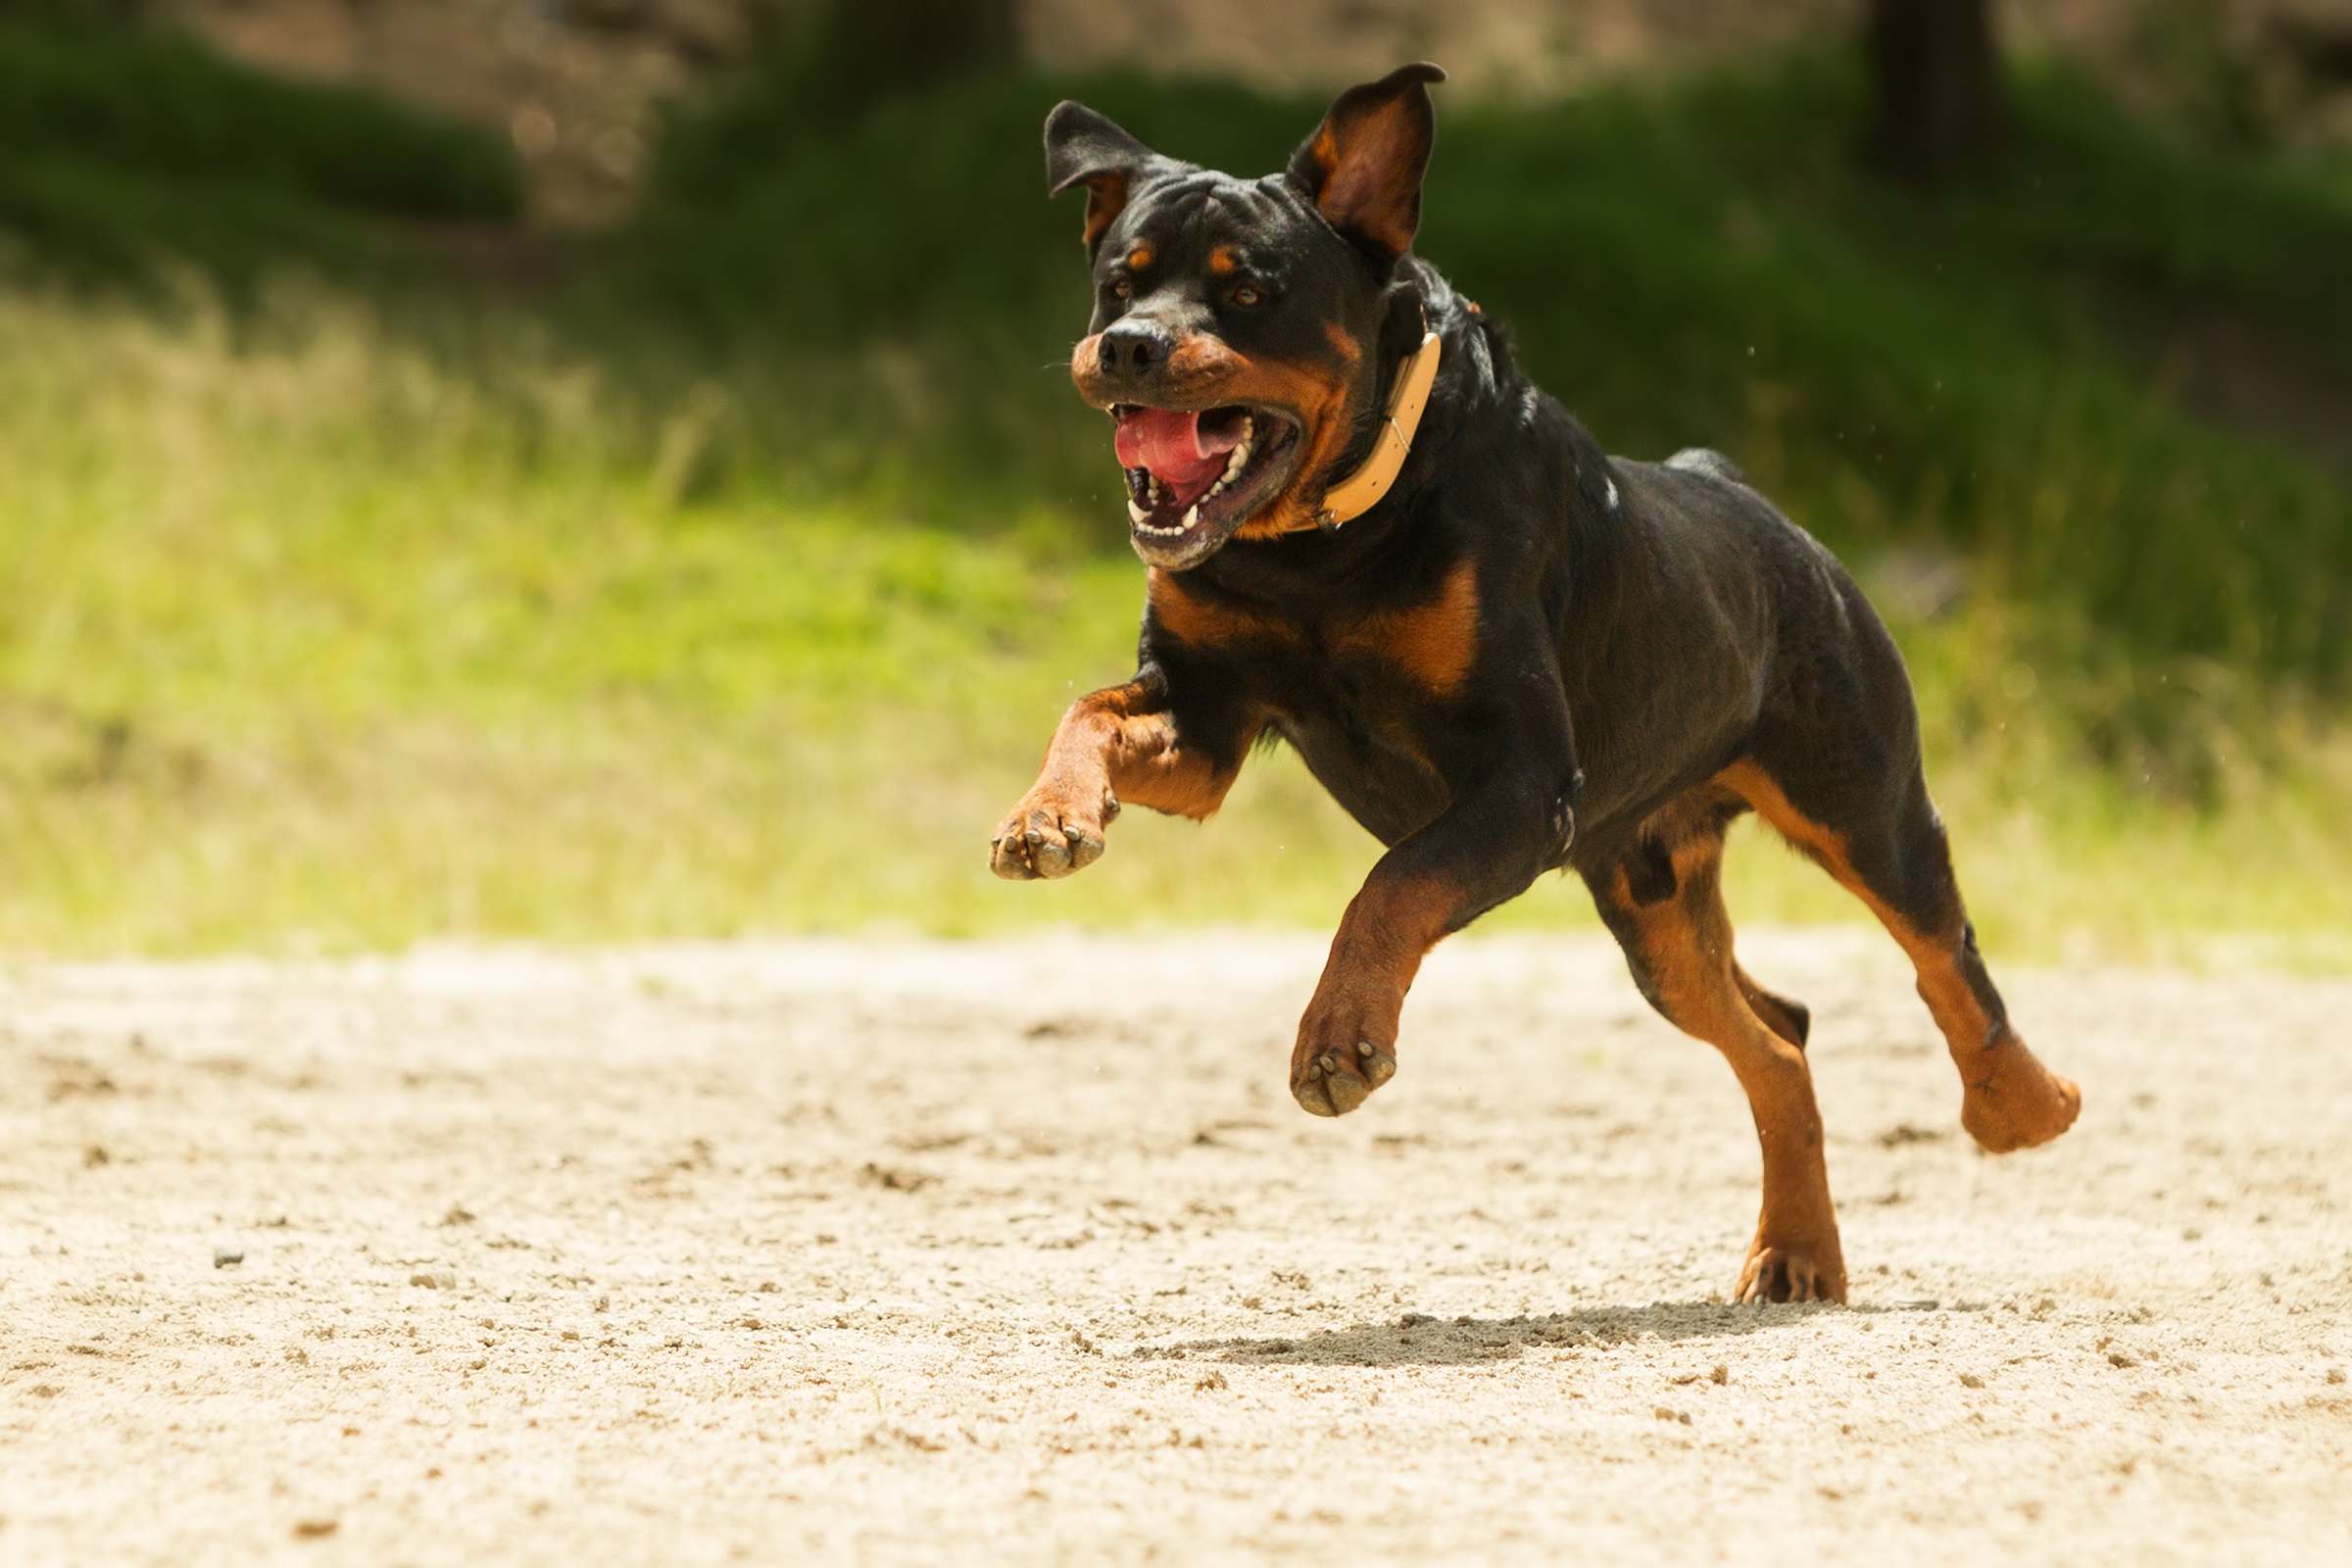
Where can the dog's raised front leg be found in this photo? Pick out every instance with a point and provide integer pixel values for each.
(1512, 818)
(1124, 745)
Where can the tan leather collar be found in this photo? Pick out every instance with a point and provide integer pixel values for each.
(1361, 490)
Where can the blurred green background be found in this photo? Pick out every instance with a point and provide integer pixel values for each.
(606, 469)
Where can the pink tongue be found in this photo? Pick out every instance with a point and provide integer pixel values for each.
(1176, 450)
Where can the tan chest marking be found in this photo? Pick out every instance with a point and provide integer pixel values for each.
(1435, 644)
(1201, 623)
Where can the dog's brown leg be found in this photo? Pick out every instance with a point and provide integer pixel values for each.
(1680, 948)
(1119, 746)
(1903, 871)
(1347, 1044)
(2009, 1101)
(1512, 818)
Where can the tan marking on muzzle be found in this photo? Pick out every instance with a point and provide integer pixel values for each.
(1207, 372)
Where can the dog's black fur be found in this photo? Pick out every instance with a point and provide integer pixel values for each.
(1528, 655)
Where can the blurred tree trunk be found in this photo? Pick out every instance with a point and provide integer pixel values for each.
(1937, 106)
(871, 48)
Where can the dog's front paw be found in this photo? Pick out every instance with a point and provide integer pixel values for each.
(1051, 834)
(1344, 1051)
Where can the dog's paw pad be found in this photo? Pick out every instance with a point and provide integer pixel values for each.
(1333, 1083)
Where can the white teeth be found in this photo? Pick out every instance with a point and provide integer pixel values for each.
(1241, 454)
(1238, 460)
(1142, 520)
(1241, 460)
(1139, 514)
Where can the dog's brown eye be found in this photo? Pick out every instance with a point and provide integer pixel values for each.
(1121, 289)
(1245, 295)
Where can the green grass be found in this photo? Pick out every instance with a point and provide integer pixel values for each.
(738, 589)
(309, 641)
(125, 148)
(318, 638)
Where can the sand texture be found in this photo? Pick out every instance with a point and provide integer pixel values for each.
(1020, 1252)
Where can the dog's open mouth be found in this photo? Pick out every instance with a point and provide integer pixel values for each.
(1193, 477)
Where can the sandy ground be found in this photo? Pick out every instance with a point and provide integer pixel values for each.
(1020, 1252)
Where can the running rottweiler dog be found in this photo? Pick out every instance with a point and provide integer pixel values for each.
(1502, 651)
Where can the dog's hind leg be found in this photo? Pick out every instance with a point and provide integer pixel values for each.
(1895, 856)
(1678, 946)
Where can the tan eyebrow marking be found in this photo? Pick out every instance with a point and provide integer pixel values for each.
(1139, 257)
(1222, 260)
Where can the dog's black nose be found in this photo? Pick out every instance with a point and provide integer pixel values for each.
(1134, 348)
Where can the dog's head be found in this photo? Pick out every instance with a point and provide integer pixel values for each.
(1238, 322)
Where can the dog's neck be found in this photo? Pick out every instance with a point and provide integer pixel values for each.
(1363, 489)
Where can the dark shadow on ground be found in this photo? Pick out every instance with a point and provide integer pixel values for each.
(1419, 1340)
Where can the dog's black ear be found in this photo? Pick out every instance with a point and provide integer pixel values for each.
(1083, 147)
(1364, 164)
